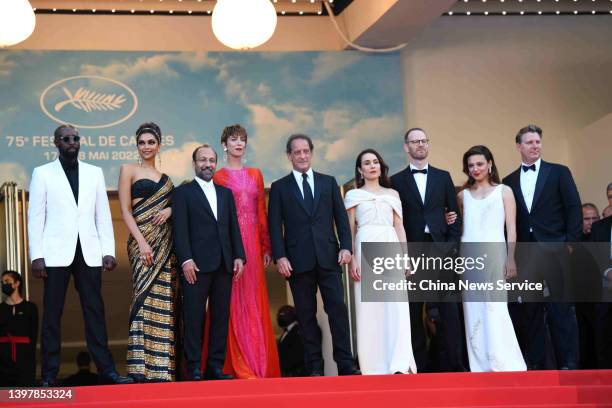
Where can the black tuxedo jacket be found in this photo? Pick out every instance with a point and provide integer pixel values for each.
(291, 354)
(201, 237)
(600, 232)
(439, 195)
(556, 212)
(308, 239)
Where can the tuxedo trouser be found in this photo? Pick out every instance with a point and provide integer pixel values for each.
(449, 328)
(304, 290)
(553, 266)
(88, 283)
(603, 334)
(418, 336)
(217, 287)
(585, 317)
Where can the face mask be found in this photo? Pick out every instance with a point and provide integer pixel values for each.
(8, 289)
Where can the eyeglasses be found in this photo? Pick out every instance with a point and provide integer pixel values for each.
(67, 139)
(418, 142)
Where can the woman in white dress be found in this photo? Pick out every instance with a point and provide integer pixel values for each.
(375, 215)
(487, 207)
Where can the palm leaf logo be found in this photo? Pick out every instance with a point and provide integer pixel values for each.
(89, 101)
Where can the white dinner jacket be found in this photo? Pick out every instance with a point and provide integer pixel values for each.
(55, 221)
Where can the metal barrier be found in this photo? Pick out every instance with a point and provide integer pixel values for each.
(14, 231)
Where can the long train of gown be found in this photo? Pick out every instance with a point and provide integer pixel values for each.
(383, 328)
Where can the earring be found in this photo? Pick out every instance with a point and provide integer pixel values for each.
(225, 154)
(159, 159)
(489, 170)
(139, 160)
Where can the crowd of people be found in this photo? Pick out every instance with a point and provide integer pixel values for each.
(198, 254)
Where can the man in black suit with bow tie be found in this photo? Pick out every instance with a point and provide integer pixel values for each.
(209, 248)
(304, 207)
(548, 211)
(426, 194)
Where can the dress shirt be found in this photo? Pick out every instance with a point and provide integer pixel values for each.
(72, 174)
(299, 179)
(287, 330)
(421, 181)
(609, 270)
(528, 183)
(208, 188)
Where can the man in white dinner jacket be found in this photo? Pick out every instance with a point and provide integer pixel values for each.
(71, 233)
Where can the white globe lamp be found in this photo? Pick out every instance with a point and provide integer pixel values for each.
(17, 21)
(243, 24)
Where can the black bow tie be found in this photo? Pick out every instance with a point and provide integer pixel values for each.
(414, 171)
(527, 168)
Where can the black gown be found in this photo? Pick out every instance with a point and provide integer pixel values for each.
(18, 335)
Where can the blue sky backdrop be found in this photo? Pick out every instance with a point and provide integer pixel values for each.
(346, 101)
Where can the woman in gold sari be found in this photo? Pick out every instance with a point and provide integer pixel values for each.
(144, 196)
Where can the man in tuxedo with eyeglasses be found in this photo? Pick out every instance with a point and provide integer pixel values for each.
(427, 193)
(548, 221)
(70, 232)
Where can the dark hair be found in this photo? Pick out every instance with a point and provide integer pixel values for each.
(16, 277)
(149, 127)
(609, 187)
(483, 150)
(286, 315)
(527, 129)
(233, 130)
(383, 179)
(411, 130)
(591, 206)
(83, 359)
(298, 136)
(203, 146)
(58, 131)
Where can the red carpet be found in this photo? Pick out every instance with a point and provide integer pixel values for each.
(531, 389)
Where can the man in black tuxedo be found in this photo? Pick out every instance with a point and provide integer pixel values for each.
(209, 248)
(601, 232)
(548, 210)
(426, 194)
(303, 209)
(587, 288)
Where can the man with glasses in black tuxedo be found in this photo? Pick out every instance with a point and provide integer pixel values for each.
(427, 193)
(70, 232)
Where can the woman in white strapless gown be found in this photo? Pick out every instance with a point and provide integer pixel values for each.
(375, 214)
(487, 207)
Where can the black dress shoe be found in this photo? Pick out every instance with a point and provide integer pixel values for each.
(349, 371)
(46, 383)
(316, 373)
(115, 378)
(194, 377)
(217, 374)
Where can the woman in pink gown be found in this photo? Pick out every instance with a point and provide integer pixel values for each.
(251, 346)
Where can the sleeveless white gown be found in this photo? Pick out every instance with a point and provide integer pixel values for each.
(383, 328)
(490, 337)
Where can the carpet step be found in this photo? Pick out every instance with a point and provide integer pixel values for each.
(580, 389)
